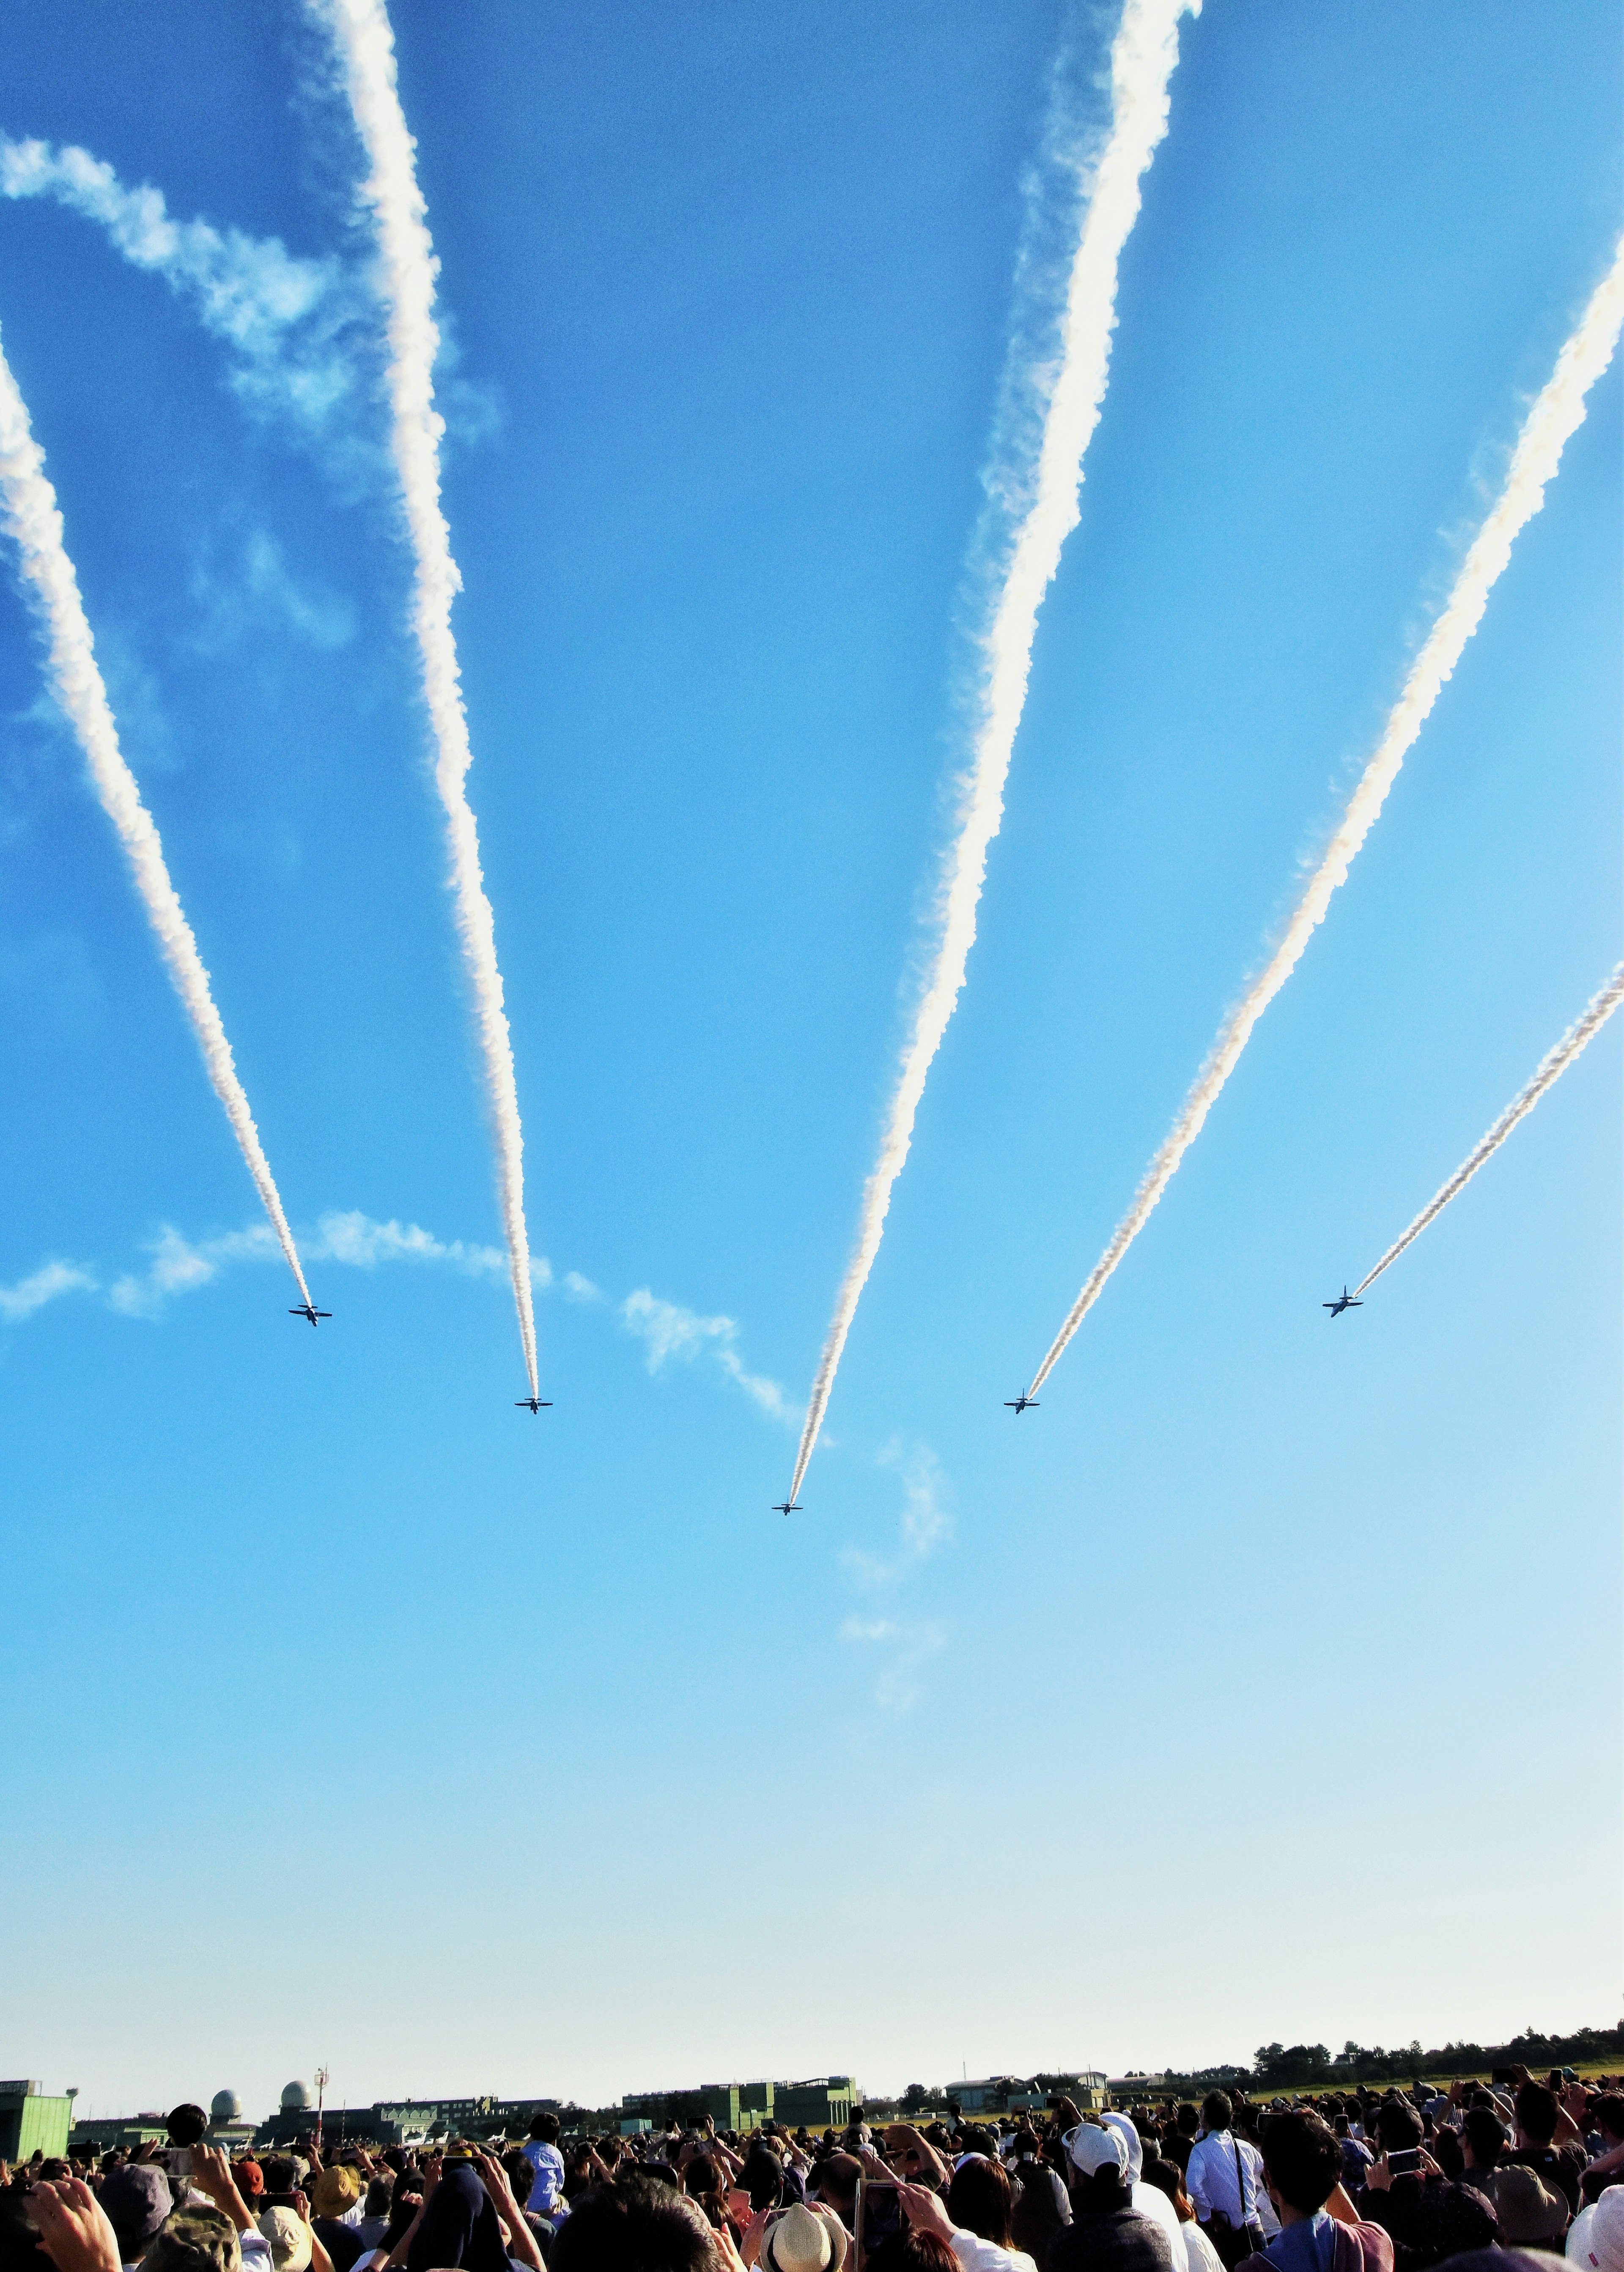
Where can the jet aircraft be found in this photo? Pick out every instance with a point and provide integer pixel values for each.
(308, 1310)
(1017, 1404)
(1346, 1303)
(533, 1404)
(788, 1507)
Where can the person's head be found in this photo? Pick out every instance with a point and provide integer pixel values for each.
(281, 2173)
(1217, 2113)
(1532, 2214)
(913, 2252)
(136, 2200)
(1398, 2126)
(337, 2192)
(804, 2239)
(979, 2199)
(1187, 2117)
(763, 2178)
(1536, 2113)
(836, 2176)
(196, 2238)
(1302, 2162)
(1168, 2178)
(1446, 2151)
(187, 2124)
(1484, 2135)
(288, 2236)
(634, 2225)
(544, 2128)
(1607, 2113)
(1098, 2167)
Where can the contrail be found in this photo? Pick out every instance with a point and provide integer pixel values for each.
(1143, 56)
(1556, 414)
(33, 518)
(1551, 1069)
(360, 32)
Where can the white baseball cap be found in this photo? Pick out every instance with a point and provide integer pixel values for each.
(1089, 2148)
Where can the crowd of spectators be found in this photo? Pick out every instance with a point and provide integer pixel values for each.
(1481, 2178)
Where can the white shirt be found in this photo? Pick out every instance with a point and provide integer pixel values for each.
(1150, 2200)
(979, 2255)
(1212, 2183)
(1198, 2250)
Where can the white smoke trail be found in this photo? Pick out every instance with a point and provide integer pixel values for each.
(360, 32)
(1552, 1067)
(1557, 413)
(29, 506)
(1143, 56)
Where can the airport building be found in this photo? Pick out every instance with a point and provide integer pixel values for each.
(823, 2103)
(33, 2122)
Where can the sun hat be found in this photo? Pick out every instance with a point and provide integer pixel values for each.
(135, 2198)
(1527, 2208)
(797, 2242)
(288, 2236)
(1090, 2148)
(335, 2190)
(1596, 2240)
(839, 2239)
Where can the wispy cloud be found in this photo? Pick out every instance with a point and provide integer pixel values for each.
(292, 325)
(581, 1290)
(178, 1264)
(44, 1285)
(905, 1649)
(923, 1525)
(258, 592)
(354, 1238)
(668, 1329)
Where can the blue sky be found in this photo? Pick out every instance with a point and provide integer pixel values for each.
(1261, 1685)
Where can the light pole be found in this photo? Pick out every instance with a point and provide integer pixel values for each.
(321, 2095)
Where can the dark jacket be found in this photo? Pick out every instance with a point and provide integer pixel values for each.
(1109, 2240)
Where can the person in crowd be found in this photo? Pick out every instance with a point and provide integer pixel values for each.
(1483, 2140)
(972, 2218)
(1107, 2233)
(634, 2225)
(1531, 2213)
(1558, 2159)
(1199, 2253)
(136, 2200)
(1320, 2230)
(336, 2213)
(835, 2180)
(1224, 2180)
(547, 2191)
(1596, 2237)
(1607, 2163)
(1042, 2204)
(1356, 2156)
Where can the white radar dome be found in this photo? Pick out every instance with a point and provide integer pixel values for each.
(295, 2096)
(225, 2106)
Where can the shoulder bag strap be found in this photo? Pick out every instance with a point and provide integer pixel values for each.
(1239, 2177)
